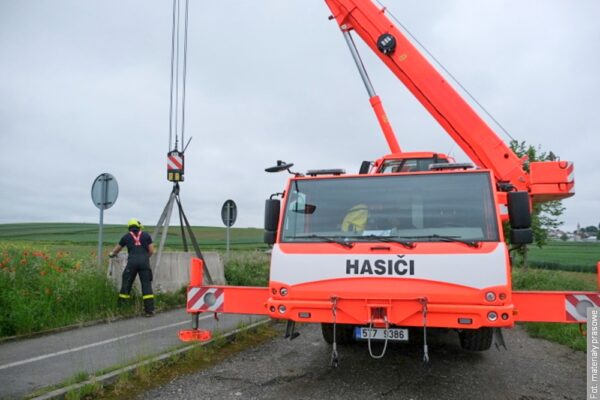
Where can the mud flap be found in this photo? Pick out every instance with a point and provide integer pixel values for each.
(290, 330)
(499, 339)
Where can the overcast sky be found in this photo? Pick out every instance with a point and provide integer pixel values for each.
(84, 89)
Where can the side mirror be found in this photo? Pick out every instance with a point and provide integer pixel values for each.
(282, 166)
(307, 209)
(272, 210)
(270, 237)
(521, 236)
(519, 215)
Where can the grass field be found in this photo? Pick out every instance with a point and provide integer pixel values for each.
(57, 234)
(49, 278)
(42, 288)
(66, 253)
(570, 256)
(567, 256)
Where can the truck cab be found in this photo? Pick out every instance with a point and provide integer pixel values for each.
(388, 246)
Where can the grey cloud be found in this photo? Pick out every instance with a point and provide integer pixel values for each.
(84, 89)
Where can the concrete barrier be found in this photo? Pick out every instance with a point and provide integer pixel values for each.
(173, 273)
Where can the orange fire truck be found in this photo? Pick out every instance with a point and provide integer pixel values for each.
(413, 241)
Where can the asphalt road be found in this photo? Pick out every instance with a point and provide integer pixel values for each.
(531, 369)
(31, 364)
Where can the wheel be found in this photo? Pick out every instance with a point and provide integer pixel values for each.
(476, 339)
(343, 333)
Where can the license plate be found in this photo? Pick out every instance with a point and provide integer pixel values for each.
(394, 334)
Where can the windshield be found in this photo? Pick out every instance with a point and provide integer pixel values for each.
(416, 208)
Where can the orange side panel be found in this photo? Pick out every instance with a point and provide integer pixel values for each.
(565, 307)
(227, 299)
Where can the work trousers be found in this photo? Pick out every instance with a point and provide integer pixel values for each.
(138, 265)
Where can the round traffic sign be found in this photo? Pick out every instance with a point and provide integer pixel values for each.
(229, 213)
(105, 191)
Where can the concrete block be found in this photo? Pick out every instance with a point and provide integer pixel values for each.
(173, 273)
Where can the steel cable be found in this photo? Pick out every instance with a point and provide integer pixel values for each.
(185, 41)
(172, 71)
(177, 77)
(445, 70)
(177, 117)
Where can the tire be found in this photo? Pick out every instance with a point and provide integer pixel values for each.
(476, 339)
(343, 333)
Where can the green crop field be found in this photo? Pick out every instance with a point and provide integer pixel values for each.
(573, 256)
(59, 234)
(567, 256)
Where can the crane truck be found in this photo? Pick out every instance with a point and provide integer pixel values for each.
(414, 240)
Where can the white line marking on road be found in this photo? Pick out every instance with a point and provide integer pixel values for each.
(103, 342)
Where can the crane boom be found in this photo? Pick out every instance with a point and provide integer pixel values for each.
(544, 180)
(415, 241)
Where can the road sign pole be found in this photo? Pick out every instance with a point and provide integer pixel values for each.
(105, 191)
(100, 237)
(228, 215)
(227, 252)
(104, 197)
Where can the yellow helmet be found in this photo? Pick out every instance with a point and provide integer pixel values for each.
(134, 223)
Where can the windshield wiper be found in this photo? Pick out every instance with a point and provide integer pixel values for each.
(446, 238)
(390, 239)
(341, 240)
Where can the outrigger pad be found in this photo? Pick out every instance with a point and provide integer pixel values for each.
(195, 335)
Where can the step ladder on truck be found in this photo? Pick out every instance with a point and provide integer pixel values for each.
(414, 240)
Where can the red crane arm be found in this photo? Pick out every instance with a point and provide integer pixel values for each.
(552, 181)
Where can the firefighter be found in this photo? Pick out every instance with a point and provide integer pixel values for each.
(356, 219)
(140, 248)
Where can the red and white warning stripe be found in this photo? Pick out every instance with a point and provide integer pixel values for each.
(174, 162)
(571, 177)
(205, 299)
(576, 306)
